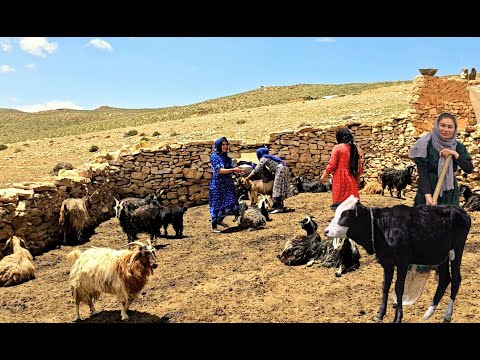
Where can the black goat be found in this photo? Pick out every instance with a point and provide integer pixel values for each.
(402, 235)
(398, 179)
(131, 203)
(144, 219)
(173, 214)
(472, 200)
(301, 249)
(313, 186)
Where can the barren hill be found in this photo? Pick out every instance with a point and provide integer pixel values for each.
(37, 141)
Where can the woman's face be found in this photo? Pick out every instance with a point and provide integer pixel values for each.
(447, 128)
(224, 146)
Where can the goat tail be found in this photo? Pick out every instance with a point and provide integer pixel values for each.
(72, 256)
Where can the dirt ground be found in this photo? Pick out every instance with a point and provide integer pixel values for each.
(235, 277)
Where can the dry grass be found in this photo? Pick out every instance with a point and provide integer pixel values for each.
(249, 116)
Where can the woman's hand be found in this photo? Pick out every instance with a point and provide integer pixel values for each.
(446, 152)
(429, 199)
(238, 170)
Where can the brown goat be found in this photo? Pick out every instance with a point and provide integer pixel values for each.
(74, 216)
(122, 273)
(257, 187)
(17, 267)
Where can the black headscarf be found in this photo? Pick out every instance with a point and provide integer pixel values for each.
(344, 136)
(224, 155)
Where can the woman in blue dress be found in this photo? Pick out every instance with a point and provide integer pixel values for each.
(222, 192)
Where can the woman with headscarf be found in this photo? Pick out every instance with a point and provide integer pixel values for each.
(346, 165)
(222, 192)
(429, 153)
(281, 180)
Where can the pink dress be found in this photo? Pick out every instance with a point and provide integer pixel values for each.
(343, 184)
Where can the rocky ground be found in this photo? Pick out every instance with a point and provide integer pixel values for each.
(235, 277)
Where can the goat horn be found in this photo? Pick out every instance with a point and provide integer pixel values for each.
(136, 243)
(96, 191)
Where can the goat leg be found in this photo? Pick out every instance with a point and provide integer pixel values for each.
(399, 289)
(387, 282)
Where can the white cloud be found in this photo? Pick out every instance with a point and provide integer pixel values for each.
(5, 44)
(30, 66)
(325, 40)
(50, 105)
(38, 46)
(12, 98)
(100, 44)
(6, 69)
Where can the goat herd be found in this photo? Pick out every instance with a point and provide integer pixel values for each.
(398, 236)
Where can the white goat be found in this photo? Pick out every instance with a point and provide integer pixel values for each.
(18, 266)
(122, 273)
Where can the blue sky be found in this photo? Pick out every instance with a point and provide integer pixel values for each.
(153, 72)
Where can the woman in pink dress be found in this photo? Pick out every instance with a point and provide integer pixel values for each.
(346, 165)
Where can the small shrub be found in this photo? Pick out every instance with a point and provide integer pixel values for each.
(131, 133)
(107, 137)
(17, 150)
(93, 148)
(304, 124)
(174, 133)
(241, 121)
(3, 147)
(144, 139)
(142, 134)
(156, 133)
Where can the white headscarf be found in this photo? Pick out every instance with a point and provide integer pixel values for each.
(419, 149)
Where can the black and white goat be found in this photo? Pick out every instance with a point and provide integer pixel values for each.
(472, 200)
(397, 179)
(303, 249)
(251, 218)
(402, 235)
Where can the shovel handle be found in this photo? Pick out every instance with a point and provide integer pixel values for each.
(441, 178)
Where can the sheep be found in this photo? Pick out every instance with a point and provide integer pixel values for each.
(398, 179)
(174, 215)
(132, 203)
(250, 217)
(303, 249)
(145, 219)
(257, 187)
(123, 273)
(74, 216)
(472, 200)
(17, 267)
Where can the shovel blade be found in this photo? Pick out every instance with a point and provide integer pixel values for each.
(414, 285)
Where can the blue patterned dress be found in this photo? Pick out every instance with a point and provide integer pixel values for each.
(222, 193)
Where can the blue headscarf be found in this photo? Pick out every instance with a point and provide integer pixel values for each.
(218, 149)
(264, 152)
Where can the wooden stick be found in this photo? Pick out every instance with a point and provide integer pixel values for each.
(441, 178)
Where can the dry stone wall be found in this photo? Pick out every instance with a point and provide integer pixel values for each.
(32, 209)
(432, 95)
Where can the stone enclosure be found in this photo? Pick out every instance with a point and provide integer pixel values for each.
(183, 170)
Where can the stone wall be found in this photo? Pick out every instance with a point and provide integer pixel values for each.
(432, 95)
(183, 170)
